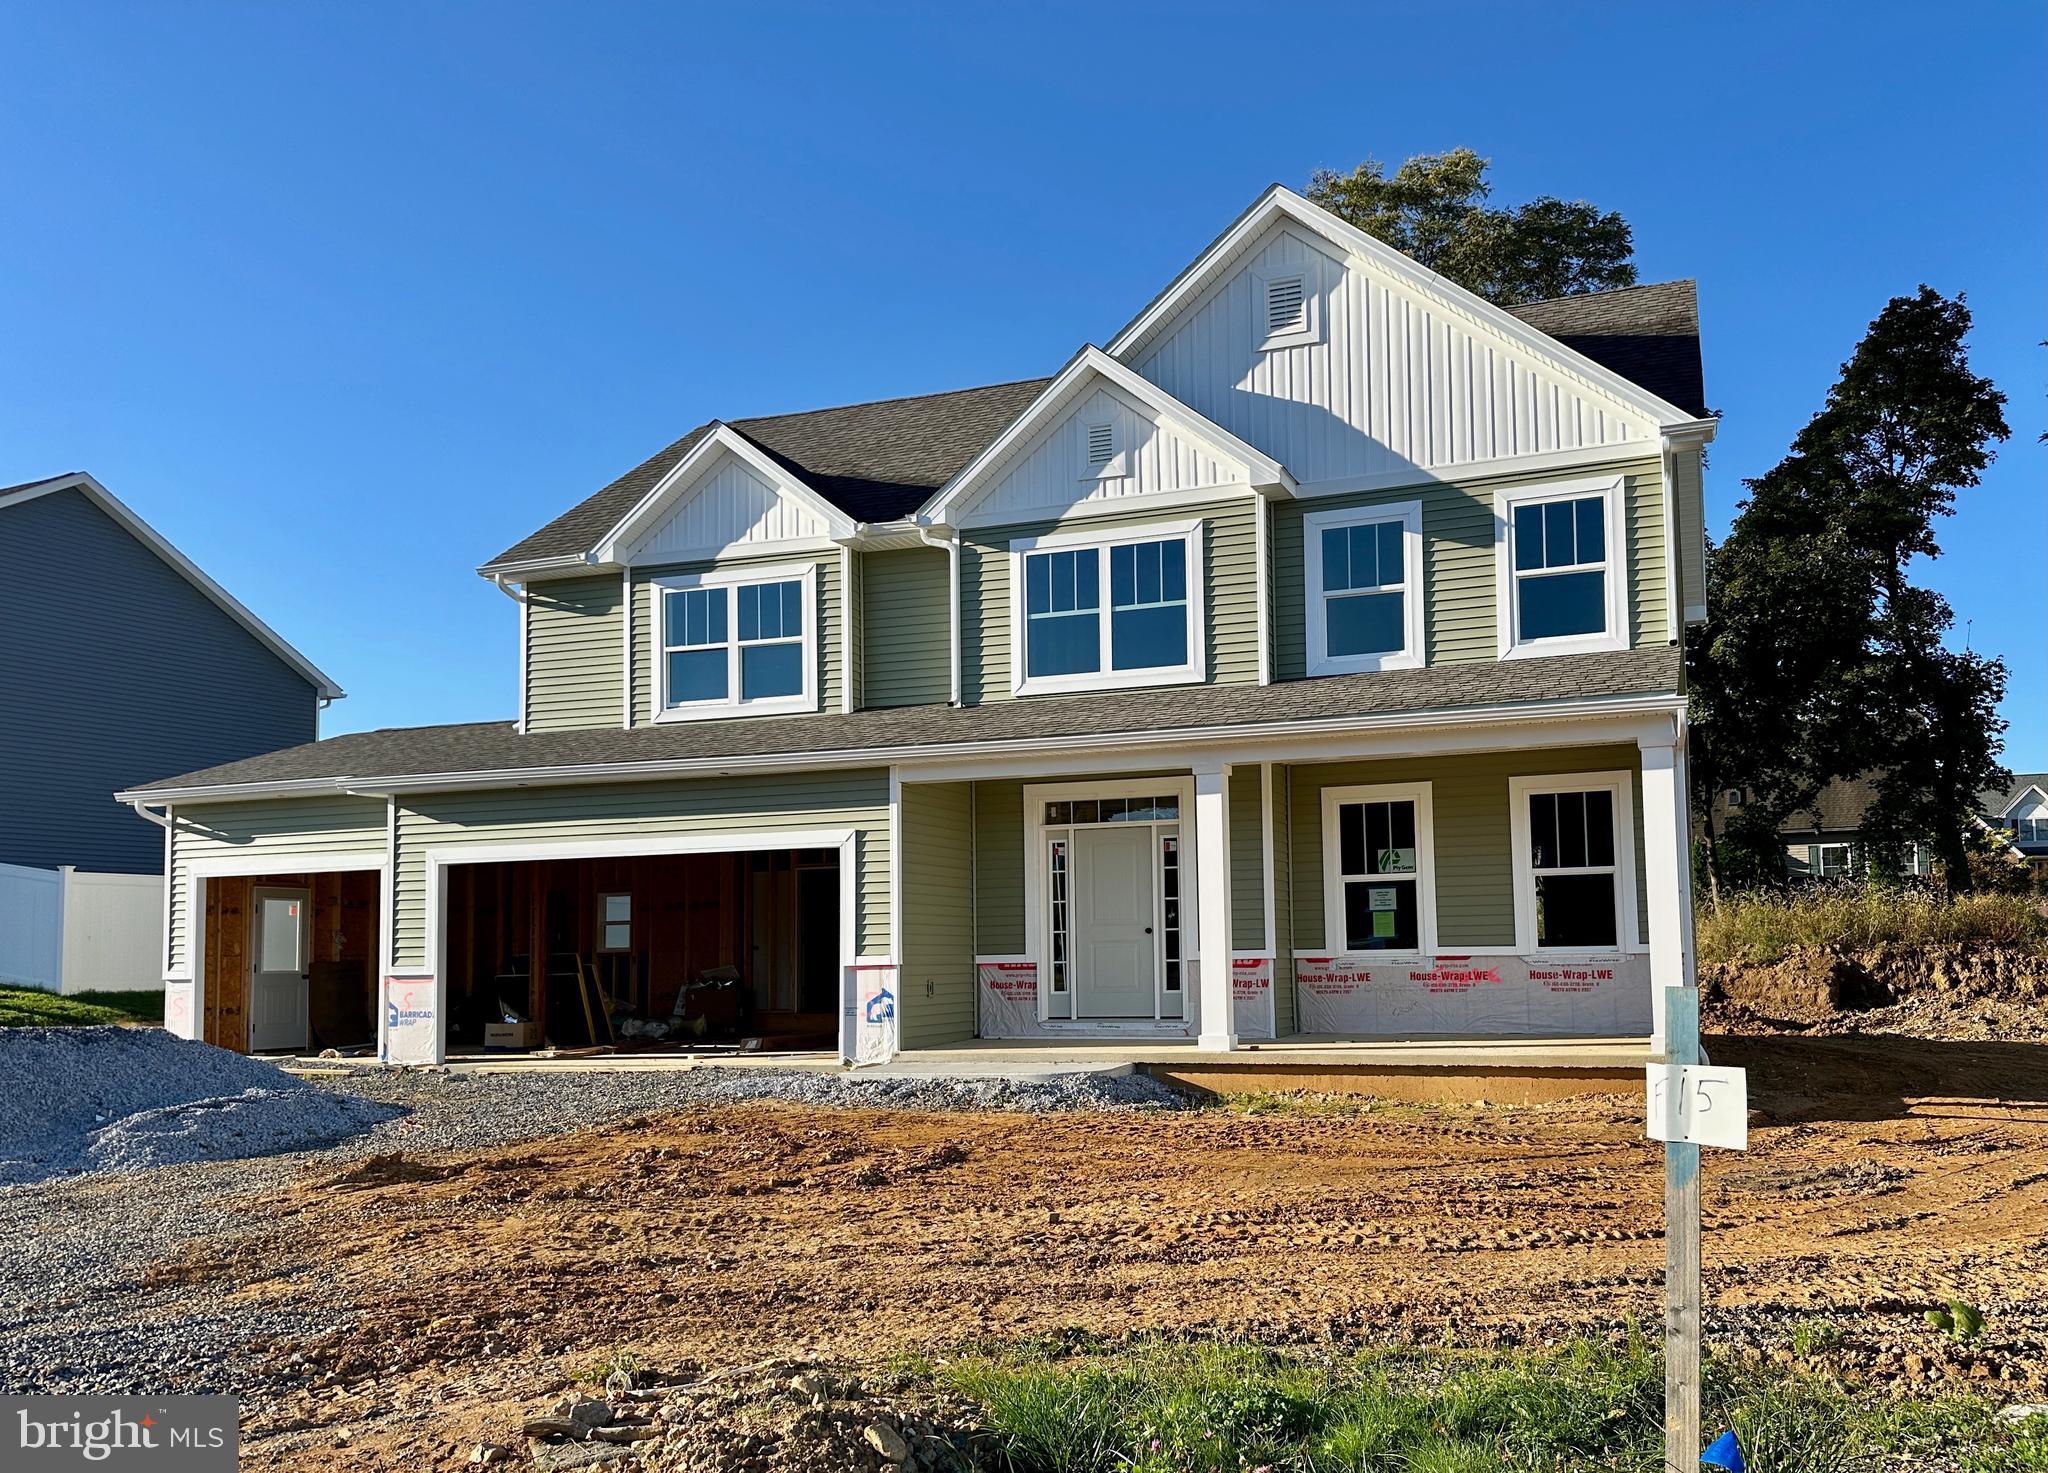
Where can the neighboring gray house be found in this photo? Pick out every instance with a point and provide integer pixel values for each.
(2020, 811)
(122, 661)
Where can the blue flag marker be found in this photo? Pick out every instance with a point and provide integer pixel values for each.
(1725, 1452)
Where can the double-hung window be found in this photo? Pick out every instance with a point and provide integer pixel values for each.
(1574, 848)
(1363, 583)
(1379, 882)
(1094, 613)
(735, 643)
(1562, 568)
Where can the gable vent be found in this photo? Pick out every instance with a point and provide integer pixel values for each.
(1286, 308)
(1101, 444)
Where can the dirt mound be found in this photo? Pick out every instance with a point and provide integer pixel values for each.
(1967, 993)
(766, 1418)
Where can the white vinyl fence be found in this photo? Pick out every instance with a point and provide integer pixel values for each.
(66, 930)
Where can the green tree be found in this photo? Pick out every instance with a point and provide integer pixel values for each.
(1820, 658)
(1434, 209)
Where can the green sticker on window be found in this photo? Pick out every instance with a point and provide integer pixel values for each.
(1382, 923)
(1396, 862)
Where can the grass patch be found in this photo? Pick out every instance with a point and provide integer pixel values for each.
(29, 1007)
(1159, 1407)
(1762, 928)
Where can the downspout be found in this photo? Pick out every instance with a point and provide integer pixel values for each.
(952, 545)
(519, 594)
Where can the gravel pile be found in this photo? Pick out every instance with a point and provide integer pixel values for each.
(124, 1099)
(1051, 1092)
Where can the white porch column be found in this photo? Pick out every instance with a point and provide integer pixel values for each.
(1667, 864)
(1212, 903)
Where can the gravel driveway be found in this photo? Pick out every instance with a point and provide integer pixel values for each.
(84, 1312)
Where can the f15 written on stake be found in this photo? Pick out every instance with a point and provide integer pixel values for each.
(1705, 1104)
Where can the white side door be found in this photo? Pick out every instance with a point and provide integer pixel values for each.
(1115, 955)
(281, 959)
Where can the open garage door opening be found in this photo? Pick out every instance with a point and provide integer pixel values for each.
(289, 962)
(657, 953)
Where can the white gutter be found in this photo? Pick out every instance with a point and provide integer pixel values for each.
(142, 811)
(951, 543)
(859, 757)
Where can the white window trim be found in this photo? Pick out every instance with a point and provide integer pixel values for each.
(1313, 525)
(1621, 784)
(1311, 331)
(1425, 866)
(1104, 678)
(1507, 608)
(804, 700)
(1817, 857)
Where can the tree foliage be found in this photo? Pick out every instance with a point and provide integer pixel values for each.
(1434, 209)
(1820, 659)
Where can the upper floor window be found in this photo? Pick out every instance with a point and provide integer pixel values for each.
(1574, 847)
(736, 643)
(1561, 577)
(1363, 580)
(1099, 611)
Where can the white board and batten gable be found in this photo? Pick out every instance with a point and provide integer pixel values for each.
(1097, 439)
(1355, 367)
(725, 497)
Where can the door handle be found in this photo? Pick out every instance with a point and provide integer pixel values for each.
(1148, 930)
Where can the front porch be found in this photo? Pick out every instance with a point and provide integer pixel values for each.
(1515, 884)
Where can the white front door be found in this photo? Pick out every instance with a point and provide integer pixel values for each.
(280, 958)
(1115, 955)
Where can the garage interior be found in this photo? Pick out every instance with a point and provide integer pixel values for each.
(675, 953)
(335, 935)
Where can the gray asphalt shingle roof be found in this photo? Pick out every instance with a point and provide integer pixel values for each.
(880, 461)
(494, 747)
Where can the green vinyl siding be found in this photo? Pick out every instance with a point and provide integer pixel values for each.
(574, 652)
(567, 815)
(1247, 862)
(287, 827)
(1229, 583)
(907, 636)
(999, 868)
(1283, 912)
(1689, 492)
(1475, 882)
(829, 617)
(936, 992)
(1459, 571)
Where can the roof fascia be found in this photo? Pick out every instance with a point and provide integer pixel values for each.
(723, 438)
(2033, 789)
(956, 496)
(1168, 737)
(192, 573)
(1280, 202)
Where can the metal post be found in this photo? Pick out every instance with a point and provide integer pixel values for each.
(1681, 1254)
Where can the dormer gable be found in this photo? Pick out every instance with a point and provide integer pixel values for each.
(1097, 437)
(1355, 365)
(726, 496)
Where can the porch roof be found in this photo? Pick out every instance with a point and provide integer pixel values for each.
(415, 756)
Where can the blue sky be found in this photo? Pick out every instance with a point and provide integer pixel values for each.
(347, 298)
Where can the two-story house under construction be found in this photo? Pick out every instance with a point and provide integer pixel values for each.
(1303, 662)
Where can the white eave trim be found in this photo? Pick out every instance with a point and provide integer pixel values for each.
(155, 541)
(1282, 732)
(723, 439)
(1280, 202)
(952, 499)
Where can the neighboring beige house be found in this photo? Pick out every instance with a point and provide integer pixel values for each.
(1304, 661)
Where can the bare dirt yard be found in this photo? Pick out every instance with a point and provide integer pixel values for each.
(1884, 1175)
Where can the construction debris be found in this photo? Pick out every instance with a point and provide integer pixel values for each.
(764, 1418)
